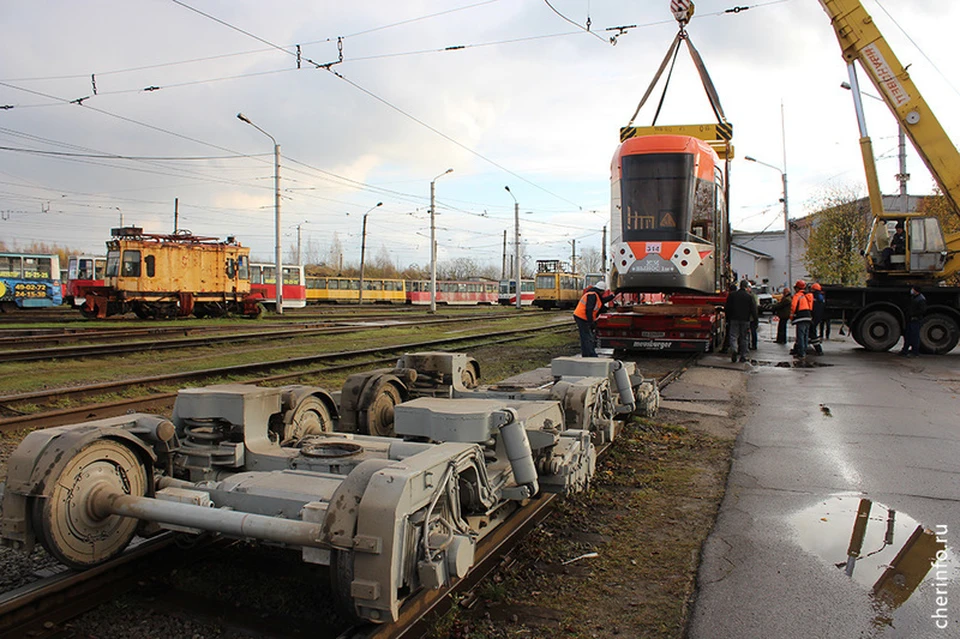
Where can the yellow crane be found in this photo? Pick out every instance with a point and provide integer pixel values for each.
(928, 255)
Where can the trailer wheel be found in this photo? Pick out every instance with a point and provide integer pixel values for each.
(939, 334)
(879, 331)
(856, 335)
(67, 525)
(377, 417)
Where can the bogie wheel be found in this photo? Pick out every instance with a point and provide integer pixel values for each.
(341, 577)
(64, 518)
(939, 334)
(469, 376)
(310, 417)
(879, 331)
(377, 418)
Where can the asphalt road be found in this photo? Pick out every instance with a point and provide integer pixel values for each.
(869, 433)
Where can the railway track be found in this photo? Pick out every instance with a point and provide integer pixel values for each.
(306, 330)
(56, 417)
(63, 315)
(67, 334)
(40, 609)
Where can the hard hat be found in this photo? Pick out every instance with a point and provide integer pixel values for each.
(600, 286)
(815, 286)
(800, 284)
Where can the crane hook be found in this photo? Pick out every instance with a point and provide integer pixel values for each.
(682, 10)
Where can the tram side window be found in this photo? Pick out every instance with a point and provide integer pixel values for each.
(130, 266)
(37, 268)
(256, 276)
(10, 265)
(113, 264)
(98, 267)
(151, 263)
(85, 270)
(703, 210)
(656, 190)
(231, 268)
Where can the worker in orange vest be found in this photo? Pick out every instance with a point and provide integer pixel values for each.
(801, 315)
(586, 314)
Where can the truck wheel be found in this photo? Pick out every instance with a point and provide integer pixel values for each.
(855, 334)
(939, 334)
(879, 331)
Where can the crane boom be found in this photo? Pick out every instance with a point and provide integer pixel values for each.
(861, 40)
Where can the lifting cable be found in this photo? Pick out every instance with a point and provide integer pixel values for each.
(671, 57)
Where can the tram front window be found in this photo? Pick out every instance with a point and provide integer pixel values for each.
(656, 194)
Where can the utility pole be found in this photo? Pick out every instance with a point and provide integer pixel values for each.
(903, 176)
(433, 242)
(299, 254)
(176, 214)
(573, 256)
(786, 213)
(603, 252)
(503, 266)
(516, 242)
(363, 250)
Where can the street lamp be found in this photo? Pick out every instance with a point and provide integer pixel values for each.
(516, 242)
(786, 218)
(363, 248)
(276, 209)
(433, 243)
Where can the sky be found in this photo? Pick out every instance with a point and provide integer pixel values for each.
(511, 93)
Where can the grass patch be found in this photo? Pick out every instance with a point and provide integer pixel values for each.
(651, 506)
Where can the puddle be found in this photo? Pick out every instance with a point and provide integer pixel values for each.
(887, 552)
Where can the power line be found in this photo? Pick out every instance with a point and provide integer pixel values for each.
(914, 43)
(110, 156)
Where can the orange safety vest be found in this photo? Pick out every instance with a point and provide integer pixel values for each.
(581, 310)
(802, 301)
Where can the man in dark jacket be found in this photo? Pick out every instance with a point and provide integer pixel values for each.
(916, 309)
(819, 303)
(782, 310)
(740, 310)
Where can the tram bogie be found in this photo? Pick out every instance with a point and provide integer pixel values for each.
(389, 515)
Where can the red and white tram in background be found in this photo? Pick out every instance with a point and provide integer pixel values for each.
(263, 281)
(454, 293)
(508, 292)
(83, 271)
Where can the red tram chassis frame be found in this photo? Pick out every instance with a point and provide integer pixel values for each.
(685, 323)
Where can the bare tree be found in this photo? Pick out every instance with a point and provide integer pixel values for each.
(590, 261)
(335, 252)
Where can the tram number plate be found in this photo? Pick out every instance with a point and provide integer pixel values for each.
(653, 247)
(653, 334)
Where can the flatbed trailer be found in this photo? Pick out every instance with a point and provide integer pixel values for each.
(877, 316)
(682, 323)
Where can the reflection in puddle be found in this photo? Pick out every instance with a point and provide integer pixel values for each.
(887, 551)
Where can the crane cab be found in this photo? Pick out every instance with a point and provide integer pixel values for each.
(921, 255)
